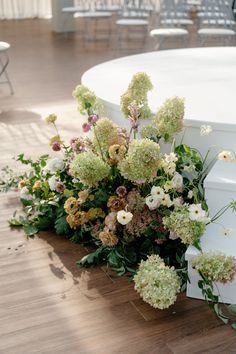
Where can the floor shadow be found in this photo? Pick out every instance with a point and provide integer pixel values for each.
(16, 116)
(68, 252)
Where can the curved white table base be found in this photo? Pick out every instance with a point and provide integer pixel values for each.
(205, 77)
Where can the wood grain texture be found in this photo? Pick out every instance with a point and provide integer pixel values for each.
(47, 304)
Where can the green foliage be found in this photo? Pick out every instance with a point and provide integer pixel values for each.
(61, 226)
(207, 288)
(93, 258)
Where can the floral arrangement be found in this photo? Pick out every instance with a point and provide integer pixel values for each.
(139, 208)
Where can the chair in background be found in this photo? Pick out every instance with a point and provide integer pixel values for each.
(91, 19)
(216, 23)
(173, 20)
(4, 61)
(113, 6)
(132, 26)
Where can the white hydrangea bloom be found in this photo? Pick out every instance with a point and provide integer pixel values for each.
(52, 181)
(55, 165)
(124, 217)
(25, 194)
(178, 180)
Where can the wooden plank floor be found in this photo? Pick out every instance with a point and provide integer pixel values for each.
(47, 304)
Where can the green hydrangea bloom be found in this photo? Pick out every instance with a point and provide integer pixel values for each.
(89, 168)
(157, 284)
(137, 92)
(87, 100)
(169, 118)
(150, 132)
(141, 162)
(106, 133)
(178, 222)
(215, 266)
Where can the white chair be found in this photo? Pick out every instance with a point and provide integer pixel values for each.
(4, 61)
(169, 33)
(95, 32)
(217, 23)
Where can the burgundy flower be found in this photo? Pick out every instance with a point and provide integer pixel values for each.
(56, 146)
(121, 191)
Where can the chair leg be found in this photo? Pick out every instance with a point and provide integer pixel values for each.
(4, 71)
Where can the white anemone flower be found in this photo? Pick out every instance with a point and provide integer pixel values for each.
(166, 201)
(227, 156)
(124, 217)
(152, 202)
(197, 213)
(226, 231)
(157, 192)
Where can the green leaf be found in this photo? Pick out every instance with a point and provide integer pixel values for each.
(16, 222)
(112, 259)
(68, 193)
(30, 230)
(92, 258)
(220, 314)
(233, 325)
(61, 225)
(232, 309)
(44, 223)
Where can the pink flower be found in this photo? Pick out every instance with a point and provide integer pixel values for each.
(121, 191)
(56, 146)
(86, 127)
(110, 221)
(60, 187)
(173, 235)
(72, 141)
(92, 119)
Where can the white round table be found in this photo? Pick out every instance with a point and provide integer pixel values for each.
(205, 77)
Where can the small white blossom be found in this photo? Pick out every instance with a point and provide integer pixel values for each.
(169, 185)
(205, 130)
(197, 213)
(157, 192)
(189, 168)
(178, 201)
(172, 157)
(226, 231)
(226, 156)
(190, 195)
(25, 194)
(52, 181)
(152, 202)
(124, 217)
